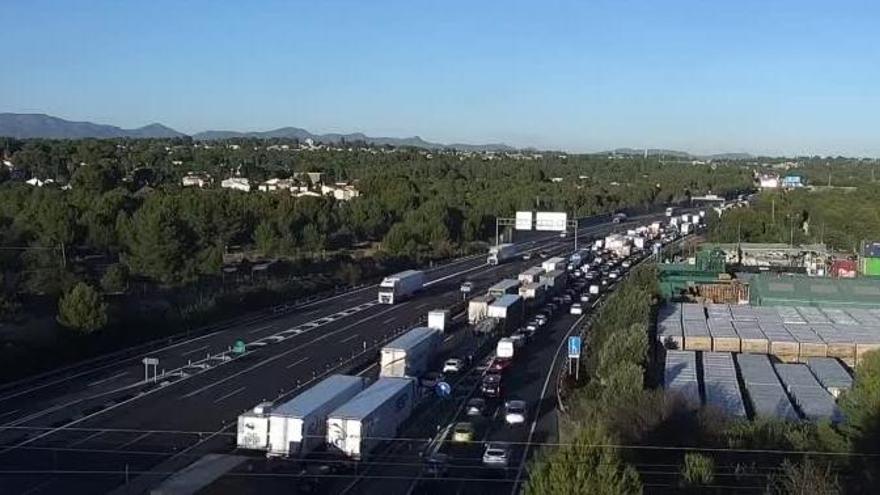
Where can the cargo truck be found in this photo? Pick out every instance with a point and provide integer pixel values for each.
(531, 275)
(253, 428)
(553, 264)
(298, 426)
(504, 349)
(501, 253)
(506, 286)
(439, 319)
(554, 280)
(399, 286)
(410, 354)
(478, 308)
(509, 309)
(670, 211)
(360, 425)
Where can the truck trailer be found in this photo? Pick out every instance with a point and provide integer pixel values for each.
(410, 354)
(372, 416)
(509, 309)
(531, 275)
(554, 264)
(501, 253)
(399, 286)
(253, 428)
(439, 319)
(506, 286)
(298, 426)
(478, 308)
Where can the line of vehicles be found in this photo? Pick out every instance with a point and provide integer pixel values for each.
(349, 416)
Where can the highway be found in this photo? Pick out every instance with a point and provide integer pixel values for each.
(98, 427)
(107, 420)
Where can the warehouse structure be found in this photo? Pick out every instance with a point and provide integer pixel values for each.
(792, 334)
(787, 290)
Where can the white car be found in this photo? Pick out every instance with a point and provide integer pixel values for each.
(452, 365)
(585, 298)
(515, 412)
(496, 454)
(576, 309)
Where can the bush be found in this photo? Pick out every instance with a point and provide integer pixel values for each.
(82, 309)
(698, 470)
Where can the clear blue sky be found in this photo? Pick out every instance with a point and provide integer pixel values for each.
(767, 76)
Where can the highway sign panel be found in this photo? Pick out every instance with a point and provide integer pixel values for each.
(150, 361)
(523, 220)
(552, 221)
(574, 346)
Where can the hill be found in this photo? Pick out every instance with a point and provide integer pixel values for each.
(35, 125)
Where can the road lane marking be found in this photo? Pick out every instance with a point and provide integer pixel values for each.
(230, 394)
(260, 329)
(8, 413)
(388, 320)
(187, 353)
(105, 380)
(367, 369)
(86, 439)
(298, 361)
(135, 440)
(447, 339)
(347, 339)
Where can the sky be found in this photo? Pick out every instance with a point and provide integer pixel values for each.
(768, 77)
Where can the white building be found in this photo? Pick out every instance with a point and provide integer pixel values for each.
(769, 181)
(38, 182)
(196, 180)
(237, 183)
(273, 185)
(306, 193)
(340, 191)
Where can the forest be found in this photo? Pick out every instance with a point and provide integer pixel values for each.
(116, 242)
(841, 218)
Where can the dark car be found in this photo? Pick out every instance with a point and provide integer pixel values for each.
(476, 407)
(491, 386)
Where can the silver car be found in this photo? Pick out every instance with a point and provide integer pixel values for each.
(496, 455)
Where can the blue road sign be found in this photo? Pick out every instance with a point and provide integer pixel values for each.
(574, 346)
(443, 389)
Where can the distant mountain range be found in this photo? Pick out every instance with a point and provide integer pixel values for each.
(681, 154)
(26, 126)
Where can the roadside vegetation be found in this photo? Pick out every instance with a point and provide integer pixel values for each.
(162, 258)
(619, 420)
(842, 219)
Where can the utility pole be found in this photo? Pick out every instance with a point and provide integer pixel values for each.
(773, 210)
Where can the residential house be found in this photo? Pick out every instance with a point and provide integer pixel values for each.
(341, 191)
(768, 181)
(237, 183)
(792, 182)
(275, 184)
(39, 182)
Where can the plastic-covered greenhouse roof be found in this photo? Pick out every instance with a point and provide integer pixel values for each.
(768, 289)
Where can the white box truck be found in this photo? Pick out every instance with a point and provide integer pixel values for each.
(399, 286)
(372, 416)
(253, 428)
(554, 264)
(439, 319)
(506, 286)
(501, 253)
(531, 275)
(298, 426)
(478, 308)
(509, 309)
(554, 280)
(410, 354)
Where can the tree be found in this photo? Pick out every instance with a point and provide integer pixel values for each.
(82, 309)
(587, 466)
(115, 279)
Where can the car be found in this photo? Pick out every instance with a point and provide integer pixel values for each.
(476, 407)
(527, 256)
(613, 275)
(541, 318)
(578, 273)
(585, 298)
(515, 412)
(532, 326)
(563, 235)
(496, 454)
(543, 254)
(436, 465)
(567, 299)
(467, 287)
(452, 365)
(499, 365)
(431, 379)
(491, 386)
(626, 264)
(462, 432)
(576, 309)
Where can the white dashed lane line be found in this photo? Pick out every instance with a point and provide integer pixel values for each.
(389, 320)
(347, 339)
(230, 394)
(198, 349)
(105, 380)
(298, 361)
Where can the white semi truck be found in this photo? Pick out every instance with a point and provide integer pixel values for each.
(371, 417)
(399, 286)
(501, 253)
(298, 426)
(410, 354)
